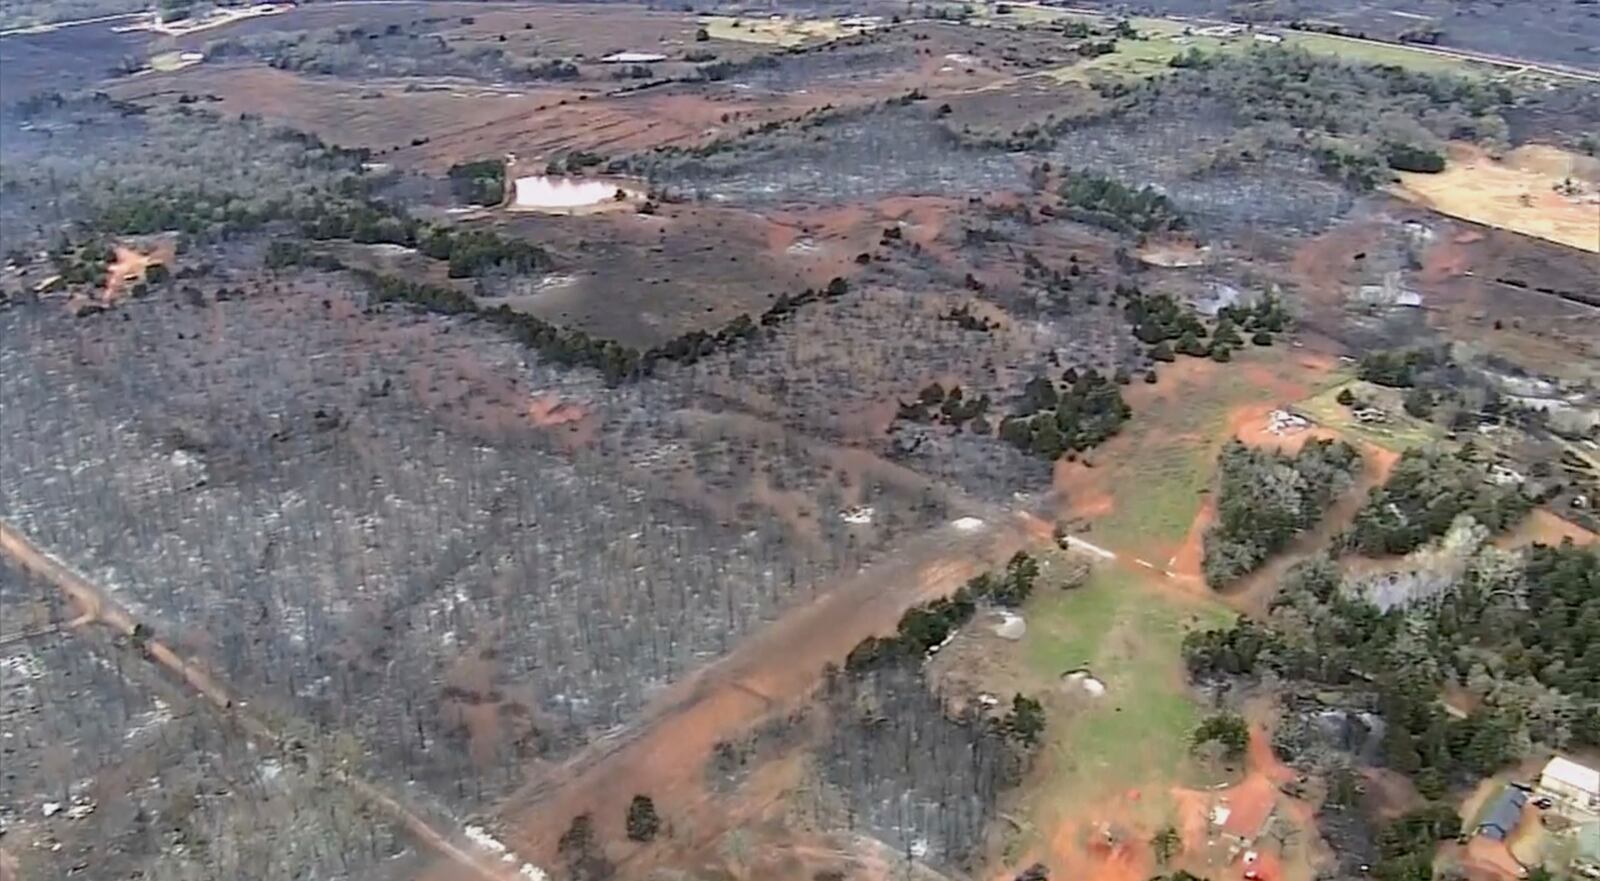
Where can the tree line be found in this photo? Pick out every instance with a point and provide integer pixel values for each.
(616, 361)
(1265, 498)
(1427, 490)
(923, 627)
(1519, 630)
(1049, 422)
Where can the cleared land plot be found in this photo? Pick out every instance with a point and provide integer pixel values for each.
(644, 279)
(1110, 761)
(1399, 433)
(1161, 40)
(1146, 485)
(776, 31)
(1522, 193)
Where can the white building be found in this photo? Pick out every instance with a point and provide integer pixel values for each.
(1574, 788)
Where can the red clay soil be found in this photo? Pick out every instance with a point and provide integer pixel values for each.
(1486, 860)
(1107, 840)
(1544, 526)
(769, 672)
(1186, 563)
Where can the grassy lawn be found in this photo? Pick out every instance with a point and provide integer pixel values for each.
(1162, 476)
(784, 32)
(1164, 39)
(1129, 634)
(1362, 52)
(1160, 491)
(1400, 433)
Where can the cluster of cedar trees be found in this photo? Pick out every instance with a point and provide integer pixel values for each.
(1171, 328)
(1265, 498)
(616, 361)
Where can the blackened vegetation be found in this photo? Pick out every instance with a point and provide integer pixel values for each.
(1265, 498)
(963, 317)
(1107, 202)
(580, 850)
(1355, 120)
(953, 407)
(912, 773)
(416, 49)
(1425, 493)
(1083, 414)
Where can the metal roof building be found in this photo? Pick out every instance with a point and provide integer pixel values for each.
(1504, 815)
(1575, 788)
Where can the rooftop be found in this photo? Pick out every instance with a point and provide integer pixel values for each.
(1504, 815)
(1565, 771)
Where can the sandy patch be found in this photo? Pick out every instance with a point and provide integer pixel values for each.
(1536, 190)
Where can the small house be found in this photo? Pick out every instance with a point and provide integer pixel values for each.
(1504, 815)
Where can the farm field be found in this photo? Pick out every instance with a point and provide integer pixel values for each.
(1543, 193)
(604, 442)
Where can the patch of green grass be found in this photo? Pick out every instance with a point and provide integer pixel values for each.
(1129, 635)
(1163, 39)
(1363, 52)
(1136, 59)
(1162, 481)
(1400, 433)
(786, 32)
(1160, 491)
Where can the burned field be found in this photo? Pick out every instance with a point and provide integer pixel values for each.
(473, 519)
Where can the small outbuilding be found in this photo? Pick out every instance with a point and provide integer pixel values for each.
(1504, 815)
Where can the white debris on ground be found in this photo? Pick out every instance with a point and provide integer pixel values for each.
(1082, 679)
(1503, 476)
(81, 807)
(967, 524)
(1282, 422)
(481, 837)
(150, 720)
(633, 58)
(1072, 541)
(988, 700)
(1010, 625)
(860, 515)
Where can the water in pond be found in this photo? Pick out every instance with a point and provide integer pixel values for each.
(561, 193)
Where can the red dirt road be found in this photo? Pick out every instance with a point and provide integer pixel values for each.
(769, 672)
